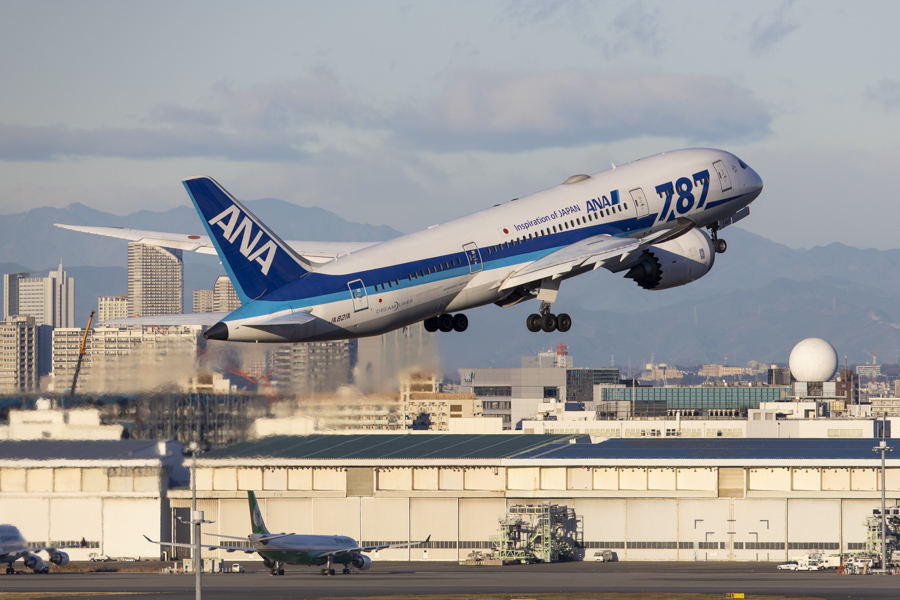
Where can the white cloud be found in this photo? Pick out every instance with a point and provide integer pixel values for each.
(885, 93)
(765, 32)
(502, 112)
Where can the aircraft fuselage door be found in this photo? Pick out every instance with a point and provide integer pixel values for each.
(358, 293)
(473, 255)
(640, 202)
(724, 179)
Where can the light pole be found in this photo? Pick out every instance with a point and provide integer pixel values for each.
(196, 520)
(883, 447)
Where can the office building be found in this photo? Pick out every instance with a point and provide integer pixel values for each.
(50, 300)
(155, 280)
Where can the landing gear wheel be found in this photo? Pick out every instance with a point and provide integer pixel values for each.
(533, 322)
(324, 571)
(563, 322)
(331, 571)
(10, 571)
(281, 571)
(548, 322)
(720, 246)
(346, 571)
(460, 322)
(445, 323)
(431, 324)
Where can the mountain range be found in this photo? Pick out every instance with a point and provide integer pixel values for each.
(760, 298)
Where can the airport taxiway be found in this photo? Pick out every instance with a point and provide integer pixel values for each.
(439, 580)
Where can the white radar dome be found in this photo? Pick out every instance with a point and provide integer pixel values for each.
(813, 359)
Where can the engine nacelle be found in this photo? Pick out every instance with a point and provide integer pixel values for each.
(676, 262)
(33, 562)
(362, 562)
(59, 558)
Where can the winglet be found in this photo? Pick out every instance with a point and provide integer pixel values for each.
(149, 540)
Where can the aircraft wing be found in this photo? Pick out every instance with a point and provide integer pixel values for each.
(314, 252)
(375, 548)
(589, 252)
(244, 549)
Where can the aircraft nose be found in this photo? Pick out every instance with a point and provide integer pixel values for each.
(755, 181)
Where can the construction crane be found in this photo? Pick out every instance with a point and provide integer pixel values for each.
(80, 358)
(263, 383)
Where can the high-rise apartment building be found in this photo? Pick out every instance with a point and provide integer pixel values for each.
(155, 280)
(19, 347)
(222, 298)
(226, 299)
(204, 301)
(111, 307)
(313, 367)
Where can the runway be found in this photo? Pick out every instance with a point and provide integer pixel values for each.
(442, 580)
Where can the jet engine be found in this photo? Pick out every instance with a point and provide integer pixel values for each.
(362, 562)
(675, 262)
(59, 558)
(33, 562)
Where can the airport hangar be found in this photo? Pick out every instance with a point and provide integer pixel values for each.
(647, 499)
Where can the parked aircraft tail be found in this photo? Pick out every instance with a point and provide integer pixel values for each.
(257, 260)
(256, 519)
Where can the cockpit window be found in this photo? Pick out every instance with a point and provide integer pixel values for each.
(742, 163)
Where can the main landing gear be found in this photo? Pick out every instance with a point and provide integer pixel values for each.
(446, 323)
(329, 568)
(547, 321)
(275, 567)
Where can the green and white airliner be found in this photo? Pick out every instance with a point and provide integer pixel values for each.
(279, 549)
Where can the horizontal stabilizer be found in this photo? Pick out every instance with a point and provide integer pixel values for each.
(208, 319)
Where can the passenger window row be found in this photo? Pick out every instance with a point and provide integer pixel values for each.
(506, 245)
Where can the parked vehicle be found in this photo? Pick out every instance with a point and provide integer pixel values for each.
(790, 565)
(237, 568)
(98, 557)
(604, 556)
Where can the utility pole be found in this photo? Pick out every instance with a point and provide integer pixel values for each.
(196, 520)
(883, 447)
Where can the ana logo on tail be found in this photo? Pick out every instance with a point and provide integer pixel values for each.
(231, 230)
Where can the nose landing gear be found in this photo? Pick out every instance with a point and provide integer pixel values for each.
(719, 244)
(547, 321)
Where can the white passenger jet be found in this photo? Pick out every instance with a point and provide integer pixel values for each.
(278, 549)
(13, 547)
(647, 219)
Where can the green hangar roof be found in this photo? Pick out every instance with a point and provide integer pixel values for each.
(378, 446)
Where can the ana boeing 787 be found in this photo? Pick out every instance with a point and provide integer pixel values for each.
(655, 219)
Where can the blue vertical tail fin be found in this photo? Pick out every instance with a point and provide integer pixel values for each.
(257, 260)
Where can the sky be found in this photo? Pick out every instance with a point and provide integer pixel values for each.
(412, 113)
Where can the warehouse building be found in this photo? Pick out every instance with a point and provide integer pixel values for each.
(107, 493)
(646, 499)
